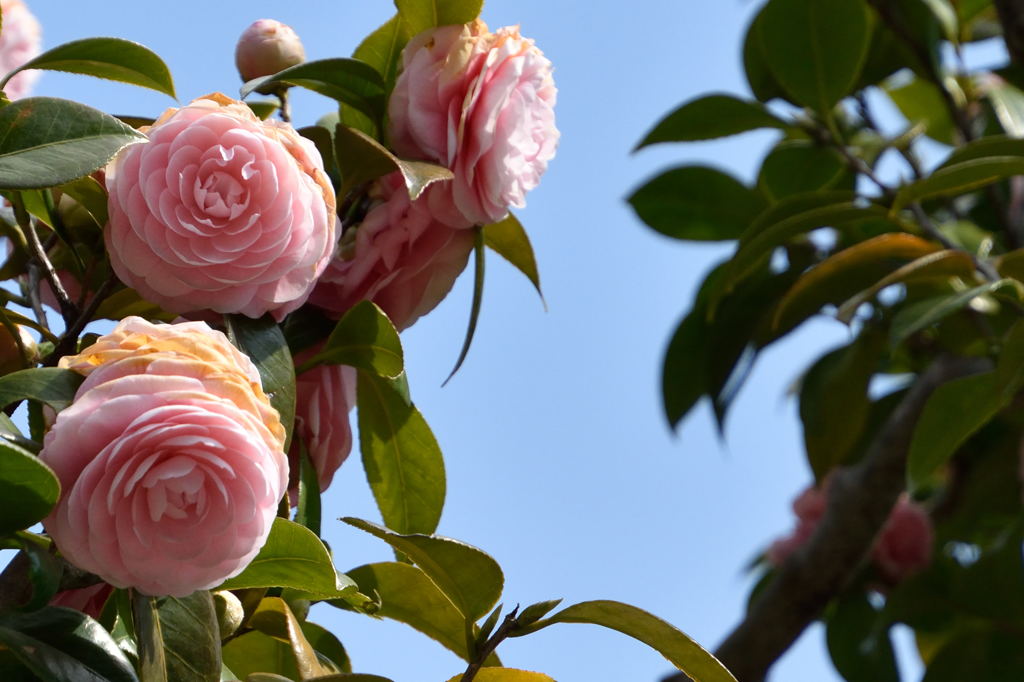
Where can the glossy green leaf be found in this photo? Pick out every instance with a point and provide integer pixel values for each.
(364, 338)
(710, 117)
(680, 650)
(696, 203)
(50, 385)
(179, 639)
(815, 50)
(1008, 104)
(858, 640)
(409, 596)
(834, 401)
(114, 59)
(470, 578)
(795, 167)
(993, 146)
(308, 512)
(382, 49)
(361, 159)
(476, 304)
(921, 314)
(49, 142)
(44, 568)
(509, 240)
(348, 81)
(402, 459)
(843, 274)
(506, 675)
(91, 195)
(263, 341)
(29, 487)
(327, 645)
(421, 15)
(125, 302)
(959, 178)
(254, 652)
(273, 618)
(59, 644)
(293, 556)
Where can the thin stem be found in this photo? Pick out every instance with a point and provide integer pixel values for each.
(69, 338)
(28, 224)
(508, 625)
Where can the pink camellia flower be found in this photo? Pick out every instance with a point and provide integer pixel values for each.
(20, 41)
(482, 105)
(220, 211)
(266, 47)
(904, 546)
(400, 257)
(170, 460)
(324, 396)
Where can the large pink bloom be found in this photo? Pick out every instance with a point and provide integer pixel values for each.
(324, 396)
(220, 211)
(170, 472)
(400, 257)
(20, 41)
(481, 104)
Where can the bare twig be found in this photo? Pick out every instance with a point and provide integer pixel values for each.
(508, 625)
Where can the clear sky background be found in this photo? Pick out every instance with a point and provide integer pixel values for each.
(559, 461)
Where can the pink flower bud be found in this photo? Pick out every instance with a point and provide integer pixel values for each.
(266, 47)
(904, 546)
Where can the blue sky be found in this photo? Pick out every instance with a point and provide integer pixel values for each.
(559, 461)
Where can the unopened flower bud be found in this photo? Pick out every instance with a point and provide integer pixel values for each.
(10, 352)
(266, 47)
(230, 613)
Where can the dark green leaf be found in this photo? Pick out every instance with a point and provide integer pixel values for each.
(685, 376)
(308, 511)
(696, 203)
(815, 50)
(981, 654)
(263, 341)
(293, 556)
(44, 568)
(680, 650)
(60, 644)
(922, 104)
(946, 15)
(993, 146)
(403, 462)
(48, 142)
(858, 641)
(421, 15)
(409, 596)
(796, 167)
(348, 81)
(959, 178)
(110, 58)
(29, 487)
(361, 159)
(364, 338)
(50, 385)
(477, 302)
(178, 637)
(917, 316)
(382, 49)
(760, 79)
(710, 117)
(509, 240)
(470, 578)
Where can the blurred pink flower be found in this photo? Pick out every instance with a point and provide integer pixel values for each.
(88, 600)
(904, 546)
(266, 47)
(399, 257)
(482, 105)
(20, 41)
(220, 211)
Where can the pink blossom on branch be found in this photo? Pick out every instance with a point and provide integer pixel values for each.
(220, 211)
(482, 105)
(20, 41)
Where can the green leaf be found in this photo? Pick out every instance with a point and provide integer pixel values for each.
(477, 302)
(470, 578)
(984, 148)
(91, 195)
(179, 639)
(29, 487)
(361, 159)
(710, 117)
(421, 15)
(922, 104)
(858, 640)
(263, 341)
(509, 240)
(815, 50)
(44, 568)
(696, 203)
(959, 178)
(946, 15)
(505, 675)
(403, 462)
(834, 402)
(48, 142)
(253, 653)
(364, 338)
(50, 385)
(760, 79)
(685, 376)
(409, 596)
(327, 645)
(917, 316)
(348, 81)
(295, 557)
(795, 167)
(59, 644)
(308, 512)
(273, 618)
(680, 650)
(1008, 104)
(263, 109)
(382, 49)
(110, 58)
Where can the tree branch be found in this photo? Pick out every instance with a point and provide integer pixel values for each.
(1011, 16)
(860, 500)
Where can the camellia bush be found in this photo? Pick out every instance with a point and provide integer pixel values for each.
(254, 279)
(892, 201)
